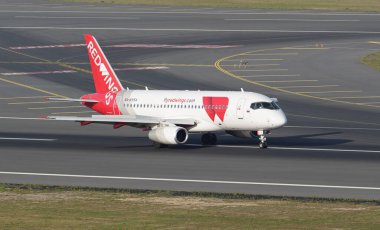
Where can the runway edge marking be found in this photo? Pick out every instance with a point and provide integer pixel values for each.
(192, 180)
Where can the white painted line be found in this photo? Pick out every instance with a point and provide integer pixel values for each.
(38, 73)
(25, 139)
(189, 29)
(47, 46)
(142, 68)
(191, 12)
(191, 46)
(328, 150)
(47, 17)
(291, 20)
(22, 118)
(326, 127)
(193, 181)
(290, 148)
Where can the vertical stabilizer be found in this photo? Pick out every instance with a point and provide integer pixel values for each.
(105, 79)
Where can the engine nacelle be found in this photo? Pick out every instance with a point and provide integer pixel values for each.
(241, 134)
(170, 135)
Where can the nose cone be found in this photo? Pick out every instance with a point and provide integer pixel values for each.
(279, 120)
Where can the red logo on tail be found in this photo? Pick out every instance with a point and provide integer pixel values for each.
(105, 78)
(215, 106)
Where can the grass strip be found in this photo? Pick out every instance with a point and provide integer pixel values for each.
(336, 5)
(61, 207)
(372, 60)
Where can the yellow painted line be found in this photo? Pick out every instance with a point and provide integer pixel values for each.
(307, 86)
(167, 64)
(238, 65)
(286, 81)
(242, 65)
(360, 97)
(373, 42)
(144, 64)
(331, 119)
(218, 67)
(74, 112)
(31, 88)
(15, 98)
(137, 84)
(27, 62)
(353, 91)
(268, 54)
(38, 102)
(370, 103)
(273, 75)
(58, 63)
(258, 70)
(256, 59)
(304, 48)
(25, 55)
(56, 107)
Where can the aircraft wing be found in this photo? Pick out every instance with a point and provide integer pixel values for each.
(112, 119)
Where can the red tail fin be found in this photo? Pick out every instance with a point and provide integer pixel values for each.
(105, 78)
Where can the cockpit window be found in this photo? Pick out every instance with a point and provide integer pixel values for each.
(265, 105)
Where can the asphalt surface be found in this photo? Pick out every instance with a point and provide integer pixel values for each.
(309, 60)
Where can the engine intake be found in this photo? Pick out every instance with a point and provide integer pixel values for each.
(171, 135)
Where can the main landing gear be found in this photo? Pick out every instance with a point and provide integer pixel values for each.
(208, 139)
(262, 138)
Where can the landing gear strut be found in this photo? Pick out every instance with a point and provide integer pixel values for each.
(208, 139)
(262, 138)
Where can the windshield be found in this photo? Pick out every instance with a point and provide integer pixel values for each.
(265, 105)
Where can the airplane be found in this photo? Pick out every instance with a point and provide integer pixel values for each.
(170, 115)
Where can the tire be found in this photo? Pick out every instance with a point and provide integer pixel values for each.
(263, 145)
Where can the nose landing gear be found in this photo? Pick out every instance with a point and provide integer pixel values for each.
(262, 138)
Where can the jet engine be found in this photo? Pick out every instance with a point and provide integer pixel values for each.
(241, 134)
(170, 135)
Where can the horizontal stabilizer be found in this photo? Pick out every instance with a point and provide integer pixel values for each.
(73, 99)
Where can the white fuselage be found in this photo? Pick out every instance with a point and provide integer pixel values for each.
(213, 110)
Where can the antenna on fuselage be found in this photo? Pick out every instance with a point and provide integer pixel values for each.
(242, 90)
(146, 88)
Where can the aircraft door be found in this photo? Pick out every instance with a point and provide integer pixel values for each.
(240, 108)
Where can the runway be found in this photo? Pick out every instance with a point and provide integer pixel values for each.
(309, 60)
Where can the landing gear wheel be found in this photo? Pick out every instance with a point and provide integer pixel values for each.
(262, 139)
(208, 139)
(263, 145)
